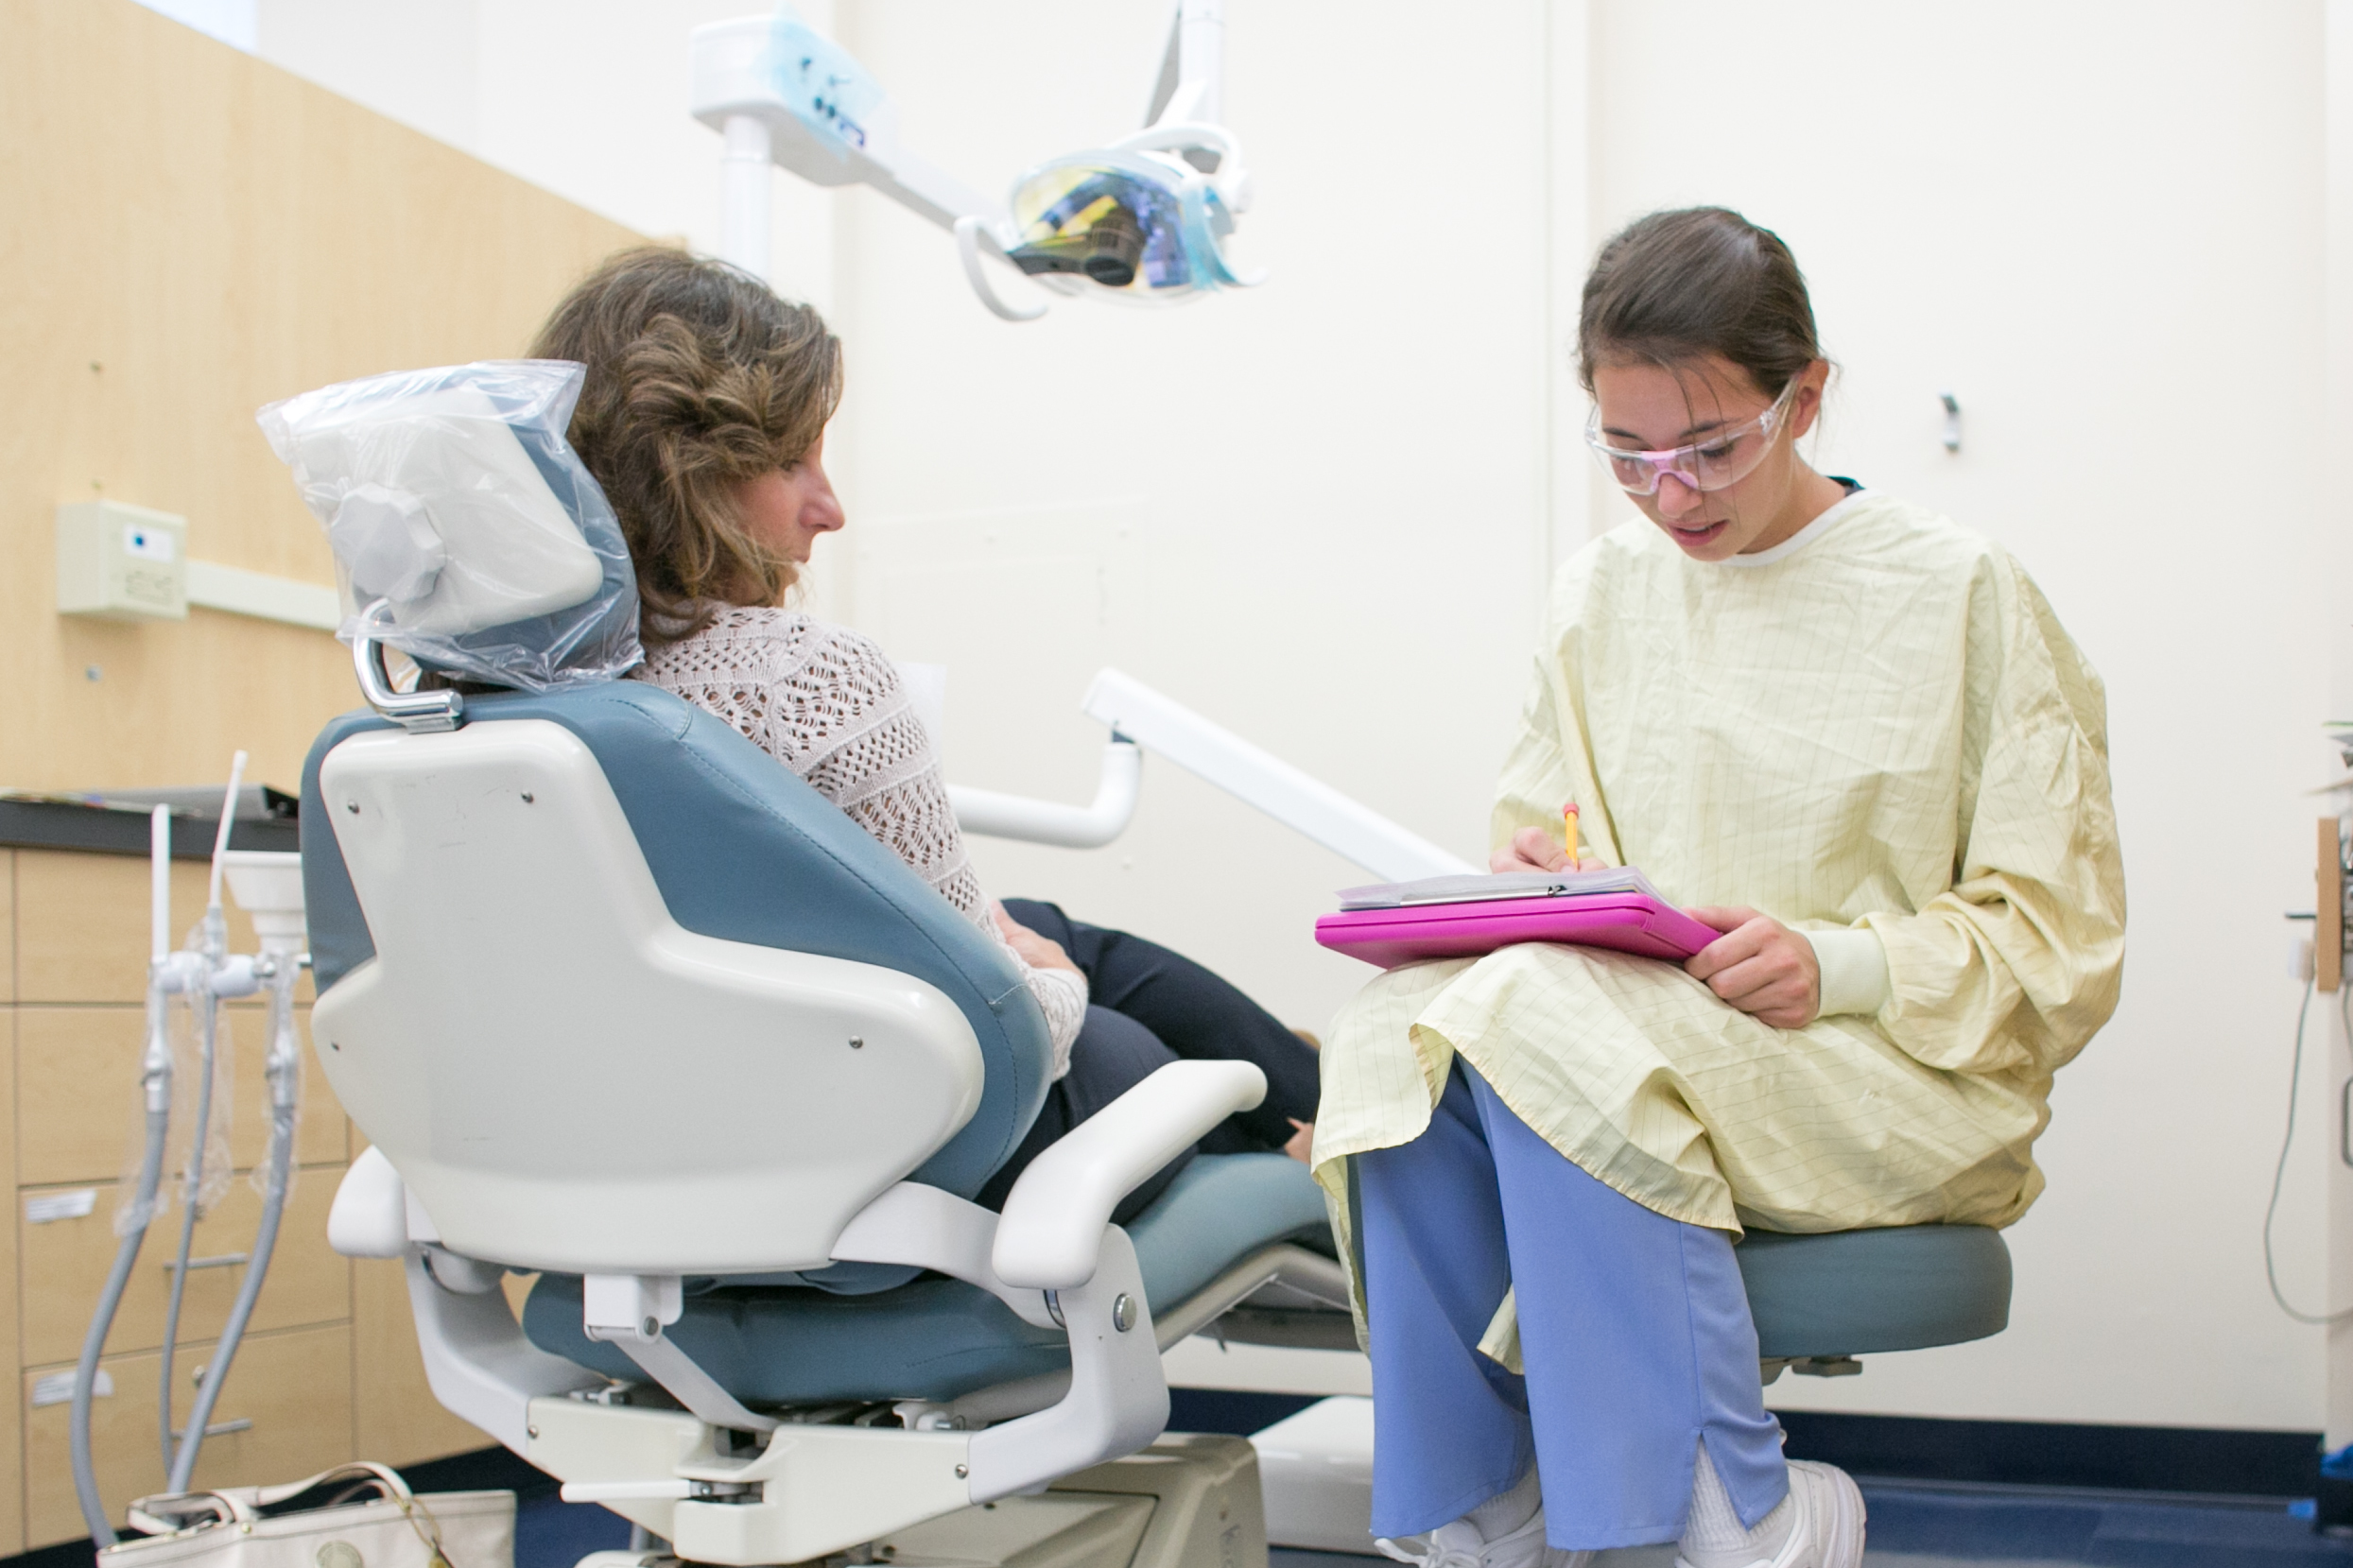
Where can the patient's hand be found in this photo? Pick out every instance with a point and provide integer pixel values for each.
(1302, 1144)
(1036, 951)
(1760, 965)
(1534, 850)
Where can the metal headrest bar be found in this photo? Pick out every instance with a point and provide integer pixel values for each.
(419, 713)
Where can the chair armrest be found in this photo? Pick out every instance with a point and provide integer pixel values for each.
(1052, 1223)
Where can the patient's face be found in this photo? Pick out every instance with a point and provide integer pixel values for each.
(785, 508)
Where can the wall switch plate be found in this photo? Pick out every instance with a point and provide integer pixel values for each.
(120, 562)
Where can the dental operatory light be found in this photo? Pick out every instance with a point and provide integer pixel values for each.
(1144, 219)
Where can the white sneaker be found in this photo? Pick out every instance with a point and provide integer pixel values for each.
(1460, 1545)
(1829, 1528)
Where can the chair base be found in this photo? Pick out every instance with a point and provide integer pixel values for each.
(1188, 1501)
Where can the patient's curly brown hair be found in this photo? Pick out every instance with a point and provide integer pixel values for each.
(699, 376)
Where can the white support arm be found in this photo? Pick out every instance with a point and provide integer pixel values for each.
(1260, 778)
(480, 1366)
(923, 1226)
(1054, 1221)
(985, 811)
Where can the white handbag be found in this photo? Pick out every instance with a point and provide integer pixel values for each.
(398, 1529)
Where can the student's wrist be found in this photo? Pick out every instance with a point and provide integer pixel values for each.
(1853, 969)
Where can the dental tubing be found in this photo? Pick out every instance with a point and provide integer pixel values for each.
(206, 975)
(155, 1073)
(283, 1073)
(214, 937)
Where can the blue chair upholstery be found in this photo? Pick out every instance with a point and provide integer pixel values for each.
(937, 1339)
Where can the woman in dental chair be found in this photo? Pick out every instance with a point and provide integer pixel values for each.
(703, 416)
(1856, 733)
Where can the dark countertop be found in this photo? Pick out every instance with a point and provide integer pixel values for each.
(96, 830)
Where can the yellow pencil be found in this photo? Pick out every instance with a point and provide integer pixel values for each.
(1569, 832)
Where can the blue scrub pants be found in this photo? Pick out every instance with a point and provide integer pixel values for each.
(1633, 1329)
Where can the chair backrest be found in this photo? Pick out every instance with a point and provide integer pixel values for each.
(617, 992)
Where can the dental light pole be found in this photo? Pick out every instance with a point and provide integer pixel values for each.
(1143, 219)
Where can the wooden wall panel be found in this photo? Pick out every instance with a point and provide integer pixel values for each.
(221, 235)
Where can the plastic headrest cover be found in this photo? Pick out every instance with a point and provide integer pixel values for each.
(451, 495)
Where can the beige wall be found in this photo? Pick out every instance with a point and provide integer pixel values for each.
(191, 233)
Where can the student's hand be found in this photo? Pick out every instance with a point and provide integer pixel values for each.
(1760, 965)
(1036, 951)
(1534, 850)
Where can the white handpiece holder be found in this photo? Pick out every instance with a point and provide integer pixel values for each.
(1143, 719)
(1087, 827)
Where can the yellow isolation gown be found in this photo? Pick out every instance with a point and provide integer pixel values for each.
(1876, 732)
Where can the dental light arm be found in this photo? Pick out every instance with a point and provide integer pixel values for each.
(740, 91)
(1144, 217)
(1143, 717)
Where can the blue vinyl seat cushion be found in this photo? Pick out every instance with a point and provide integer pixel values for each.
(1854, 1292)
(937, 1338)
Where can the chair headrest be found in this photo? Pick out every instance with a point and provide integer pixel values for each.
(452, 499)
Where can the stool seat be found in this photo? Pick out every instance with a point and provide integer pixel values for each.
(1854, 1292)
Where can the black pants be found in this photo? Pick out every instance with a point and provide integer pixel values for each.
(1148, 1006)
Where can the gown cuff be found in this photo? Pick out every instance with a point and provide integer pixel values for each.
(1854, 969)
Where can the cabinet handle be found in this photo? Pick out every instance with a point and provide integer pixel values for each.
(223, 1260)
(219, 1428)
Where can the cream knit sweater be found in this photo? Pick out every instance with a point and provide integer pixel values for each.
(827, 704)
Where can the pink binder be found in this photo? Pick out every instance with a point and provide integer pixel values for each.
(1629, 921)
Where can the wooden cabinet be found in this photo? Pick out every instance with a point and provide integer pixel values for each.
(290, 1396)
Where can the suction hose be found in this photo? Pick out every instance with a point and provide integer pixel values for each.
(191, 1186)
(155, 1072)
(284, 1073)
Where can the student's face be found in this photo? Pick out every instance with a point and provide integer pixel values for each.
(785, 508)
(1656, 407)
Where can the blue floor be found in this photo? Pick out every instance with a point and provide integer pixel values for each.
(1914, 1525)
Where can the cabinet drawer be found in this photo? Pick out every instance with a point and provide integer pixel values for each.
(294, 1388)
(77, 1094)
(83, 924)
(65, 1264)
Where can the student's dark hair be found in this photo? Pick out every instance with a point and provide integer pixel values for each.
(699, 377)
(1677, 285)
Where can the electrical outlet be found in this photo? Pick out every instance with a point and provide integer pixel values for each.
(121, 562)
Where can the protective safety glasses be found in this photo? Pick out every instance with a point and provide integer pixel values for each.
(1723, 459)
